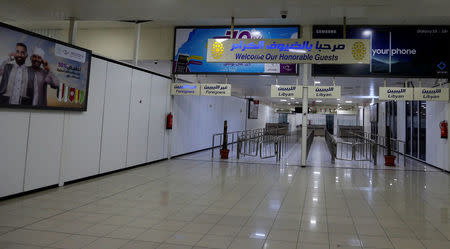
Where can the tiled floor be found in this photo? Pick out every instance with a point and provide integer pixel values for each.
(189, 203)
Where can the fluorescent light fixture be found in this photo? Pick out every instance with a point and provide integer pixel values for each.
(283, 100)
(316, 82)
(338, 99)
(348, 101)
(297, 102)
(290, 175)
(319, 101)
(260, 235)
(301, 51)
(316, 172)
(277, 86)
(292, 98)
(289, 103)
(313, 222)
(315, 199)
(367, 32)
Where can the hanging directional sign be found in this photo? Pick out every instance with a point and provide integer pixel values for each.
(396, 93)
(431, 94)
(324, 92)
(184, 89)
(215, 90)
(286, 91)
(330, 51)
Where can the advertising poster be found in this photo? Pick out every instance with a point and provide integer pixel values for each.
(190, 51)
(398, 51)
(41, 73)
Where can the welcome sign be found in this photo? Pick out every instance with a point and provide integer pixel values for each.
(324, 92)
(396, 93)
(286, 91)
(431, 94)
(330, 51)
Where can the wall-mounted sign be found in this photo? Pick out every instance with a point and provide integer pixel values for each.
(286, 91)
(396, 93)
(184, 89)
(215, 90)
(409, 51)
(431, 94)
(190, 53)
(324, 92)
(331, 51)
(253, 108)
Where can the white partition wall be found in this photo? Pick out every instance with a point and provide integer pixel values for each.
(83, 131)
(115, 118)
(44, 149)
(13, 149)
(157, 111)
(139, 113)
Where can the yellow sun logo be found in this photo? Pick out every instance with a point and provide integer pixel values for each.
(217, 50)
(359, 51)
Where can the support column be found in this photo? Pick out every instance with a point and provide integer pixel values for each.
(137, 43)
(448, 142)
(72, 31)
(304, 113)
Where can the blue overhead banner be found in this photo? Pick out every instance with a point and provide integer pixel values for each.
(191, 49)
(397, 51)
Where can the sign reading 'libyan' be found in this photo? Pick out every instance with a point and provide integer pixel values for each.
(288, 51)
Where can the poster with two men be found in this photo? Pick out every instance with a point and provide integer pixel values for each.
(42, 73)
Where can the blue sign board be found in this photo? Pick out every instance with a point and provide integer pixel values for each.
(397, 51)
(191, 49)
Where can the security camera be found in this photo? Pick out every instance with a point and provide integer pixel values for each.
(155, 61)
(284, 14)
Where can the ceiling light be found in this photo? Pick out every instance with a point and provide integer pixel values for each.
(319, 101)
(289, 103)
(277, 86)
(292, 98)
(316, 82)
(297, 102)
(338, 99)
(348, 101)
(283, 100)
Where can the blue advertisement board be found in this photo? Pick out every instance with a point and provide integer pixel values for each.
(397, 51)
(191, 49)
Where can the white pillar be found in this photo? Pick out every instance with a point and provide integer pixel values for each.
(137, 43)
(448, 142)
(305, 113)
(72, 31)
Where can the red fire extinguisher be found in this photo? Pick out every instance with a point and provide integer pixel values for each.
(444, 129)
(169, 121)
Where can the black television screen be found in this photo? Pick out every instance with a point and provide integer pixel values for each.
(42, 73)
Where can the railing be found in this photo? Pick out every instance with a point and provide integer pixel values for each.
(250, 139)
(309, 142)
(265, 143)
(331, 144)
(381, 143)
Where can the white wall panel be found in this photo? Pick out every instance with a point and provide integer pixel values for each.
(157, 107)
(139, 114)
(82, 130)
(115, 118)
(44, 149)
(13, 147)
(436, 148)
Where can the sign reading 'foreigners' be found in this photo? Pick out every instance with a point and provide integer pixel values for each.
(215, 90)
(184, 89)
(330, 51)
(286, 91)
